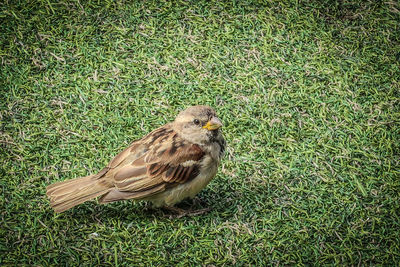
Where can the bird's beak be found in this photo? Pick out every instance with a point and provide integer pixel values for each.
(213, 124)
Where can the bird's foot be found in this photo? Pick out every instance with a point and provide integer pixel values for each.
(197, 201)
(182, 212)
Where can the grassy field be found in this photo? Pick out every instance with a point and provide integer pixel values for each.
(309, 94)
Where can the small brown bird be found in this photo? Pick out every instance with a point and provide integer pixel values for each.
(169, 164)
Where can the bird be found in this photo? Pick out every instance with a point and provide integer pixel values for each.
(166, 166)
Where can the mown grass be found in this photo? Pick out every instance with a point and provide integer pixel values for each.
(308, 92)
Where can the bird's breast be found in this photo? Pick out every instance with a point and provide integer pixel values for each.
(189, 189)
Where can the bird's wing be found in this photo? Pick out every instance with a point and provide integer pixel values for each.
(150, 165)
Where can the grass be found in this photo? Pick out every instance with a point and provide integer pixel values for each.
(309, 92)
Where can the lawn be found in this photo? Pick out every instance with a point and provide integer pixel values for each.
(309, 94)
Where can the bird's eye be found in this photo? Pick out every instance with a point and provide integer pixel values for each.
(196, 121)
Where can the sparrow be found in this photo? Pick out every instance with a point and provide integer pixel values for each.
(164, 167)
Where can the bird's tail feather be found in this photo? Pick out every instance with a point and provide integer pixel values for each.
(68, 194)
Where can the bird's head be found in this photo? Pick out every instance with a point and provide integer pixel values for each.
(198, 124)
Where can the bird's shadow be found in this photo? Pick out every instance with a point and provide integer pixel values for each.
(139, 211)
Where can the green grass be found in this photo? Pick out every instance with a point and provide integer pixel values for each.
(309, 93)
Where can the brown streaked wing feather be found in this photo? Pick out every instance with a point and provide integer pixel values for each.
(135, 185)
(139, 147)
(116, 195)
(171, 160)
(161, 164)
(122, 156)
(129, 171)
